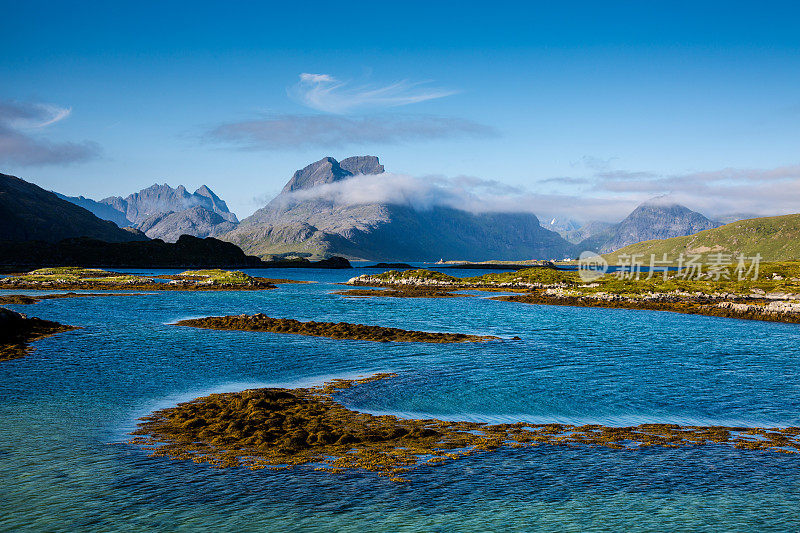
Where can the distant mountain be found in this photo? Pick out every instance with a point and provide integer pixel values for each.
(162, 212)
(196, 221)
(28, 212)
(159, 199)
(378, 231)
(561, 225)
(592, 235)
(655, 220)
(734, 217)
(104, 211)
(775, 238)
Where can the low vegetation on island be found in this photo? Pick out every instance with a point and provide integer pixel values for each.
(773, 294)
(333, 330)
(393, 293)
(77, 278)
(283, 428)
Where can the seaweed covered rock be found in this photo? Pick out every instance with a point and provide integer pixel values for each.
(283, 428)
(17, 330)
(334, 330)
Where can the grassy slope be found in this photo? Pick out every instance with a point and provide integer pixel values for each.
(775, 238)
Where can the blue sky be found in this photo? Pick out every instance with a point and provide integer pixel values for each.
(583, 109)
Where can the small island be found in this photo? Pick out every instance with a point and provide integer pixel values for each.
(333, 330)
(774, 296)
(403, 292)
(77, 278)
(17, 331)
(274, 428)
(26, 299)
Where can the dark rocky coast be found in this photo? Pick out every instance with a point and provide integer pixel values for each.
(17, 331)
(333, 330)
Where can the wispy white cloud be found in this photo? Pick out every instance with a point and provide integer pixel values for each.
(332, 131)
(324, 92)
(26, 115)
(21, 142)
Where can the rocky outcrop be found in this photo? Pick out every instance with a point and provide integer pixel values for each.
(17, 331)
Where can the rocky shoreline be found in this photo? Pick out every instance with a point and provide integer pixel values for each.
(280, 429)
(333, 330)
(17, 331)
(754, 309)
(769, 300)
(403, 292)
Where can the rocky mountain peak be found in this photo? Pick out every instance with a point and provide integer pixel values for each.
(328, 170)
(362, 164)
(657, 219)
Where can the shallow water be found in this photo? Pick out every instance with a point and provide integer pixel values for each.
(67, 407)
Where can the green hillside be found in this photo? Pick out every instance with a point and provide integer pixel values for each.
(775, 238)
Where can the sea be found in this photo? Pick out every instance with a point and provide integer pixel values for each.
(66, 411)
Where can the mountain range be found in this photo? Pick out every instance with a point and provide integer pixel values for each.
(162, 212)
(311, 225)
(304, 220)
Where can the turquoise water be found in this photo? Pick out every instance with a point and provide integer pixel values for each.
(66, 410)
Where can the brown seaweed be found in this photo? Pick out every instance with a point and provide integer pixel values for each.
(333, 330)
(283, 428)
